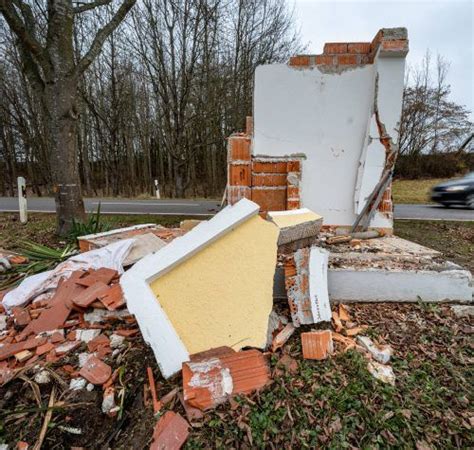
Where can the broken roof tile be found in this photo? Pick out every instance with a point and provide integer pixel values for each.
(21, 315)
(8, 350)
(209, 382)
(59, 308)
(170, 432)
(95, 371)
(90, 294)
(113, 298)
(98, 341)
(45, 348)
(317, 344)
(103, 275)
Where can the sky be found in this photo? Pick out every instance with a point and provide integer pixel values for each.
(444, 27)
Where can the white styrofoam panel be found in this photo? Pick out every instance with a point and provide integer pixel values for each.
(157, 330)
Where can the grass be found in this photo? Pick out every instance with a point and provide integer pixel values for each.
(454, 239)
(413, 191)
(337, 403)
(41, 227)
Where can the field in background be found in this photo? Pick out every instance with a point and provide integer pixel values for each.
(414, 191)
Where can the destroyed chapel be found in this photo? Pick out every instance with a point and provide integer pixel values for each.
(305, 233)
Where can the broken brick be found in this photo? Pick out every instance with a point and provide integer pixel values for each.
(317, 344)
(170, 432)
(209, 382)
(280, 339)
(95, 371)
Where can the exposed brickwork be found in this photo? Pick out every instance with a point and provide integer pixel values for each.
(240, 174)
(356, 53)
(358, 47)
(273, 183)
(299, 60)
(269, 179)
(270, 199)
(272, 166)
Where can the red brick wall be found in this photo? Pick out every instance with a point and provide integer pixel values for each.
(352, 53)
(273, 183)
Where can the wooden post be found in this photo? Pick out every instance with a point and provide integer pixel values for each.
(22, 203)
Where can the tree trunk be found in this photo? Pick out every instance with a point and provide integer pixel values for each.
(61, 113)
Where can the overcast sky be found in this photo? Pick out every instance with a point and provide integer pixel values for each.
(445, 27)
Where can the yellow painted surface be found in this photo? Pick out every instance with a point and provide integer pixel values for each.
(223, 295)
(289, 220)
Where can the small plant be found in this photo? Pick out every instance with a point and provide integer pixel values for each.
(39, 258)
(93, 225)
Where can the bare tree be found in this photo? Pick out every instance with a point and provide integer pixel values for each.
(431, 122)
(49, 63)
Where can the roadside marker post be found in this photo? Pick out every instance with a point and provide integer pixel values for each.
(22, 202)
(157, 189)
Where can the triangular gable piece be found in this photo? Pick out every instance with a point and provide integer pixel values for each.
(209, 288)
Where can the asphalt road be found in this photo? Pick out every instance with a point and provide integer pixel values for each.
(210, 207)
(123, 206)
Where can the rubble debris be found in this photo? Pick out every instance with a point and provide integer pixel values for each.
(280, 339)
(306, 283)
(236, 238)
(102, 275)
(151, 382)
(100, 240)
(170, 433)
(459, 311)
(111, 257)
(381, 354)
(382, 372)
(317, 344)
(333, 240)
(290, 364)
(192, 414)
(77, 384)
(23, 355)
(298, 228)
(90, 294)
(113, 299)
(95, 371)
(343, 312)
(109, 406)
(189, 224)
(209, 382)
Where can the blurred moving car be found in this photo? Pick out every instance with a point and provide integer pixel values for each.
(455, 192)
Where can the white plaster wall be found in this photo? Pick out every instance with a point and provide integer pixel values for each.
(399, 286)
(326, 116)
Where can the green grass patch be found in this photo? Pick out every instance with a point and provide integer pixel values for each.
(454, 239)
(41, 227)
(413, 191)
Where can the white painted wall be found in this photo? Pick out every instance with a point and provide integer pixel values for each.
(327, 117)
